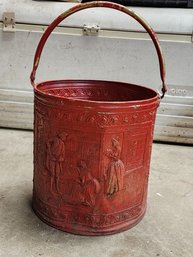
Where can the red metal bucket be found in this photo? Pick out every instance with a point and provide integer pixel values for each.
(92, 146)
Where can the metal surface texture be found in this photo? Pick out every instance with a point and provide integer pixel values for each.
(92, 146)
(91, 29)
(9, 22)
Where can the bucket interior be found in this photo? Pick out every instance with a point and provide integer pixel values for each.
(104, 91)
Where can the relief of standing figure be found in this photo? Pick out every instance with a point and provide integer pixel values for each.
(115, 170)
(55, 158)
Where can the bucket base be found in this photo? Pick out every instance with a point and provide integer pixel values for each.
(88, 231)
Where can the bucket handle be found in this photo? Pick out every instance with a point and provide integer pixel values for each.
(87, 5)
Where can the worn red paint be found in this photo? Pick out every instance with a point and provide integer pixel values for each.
(92, 147)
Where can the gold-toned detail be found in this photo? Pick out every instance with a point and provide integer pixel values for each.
(37, 61)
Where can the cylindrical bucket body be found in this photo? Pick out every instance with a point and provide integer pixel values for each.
(92, 147)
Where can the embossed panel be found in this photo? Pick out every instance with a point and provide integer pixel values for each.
(69, 169)
(90, 163)
(134, 186)
(135, 146)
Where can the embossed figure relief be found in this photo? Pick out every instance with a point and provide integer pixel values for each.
(70, 167)
(54, 159)
(116, 168)
(86, 187)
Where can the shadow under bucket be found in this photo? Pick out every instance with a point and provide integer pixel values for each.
(92, 147)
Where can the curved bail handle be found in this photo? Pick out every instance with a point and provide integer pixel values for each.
(87, 5)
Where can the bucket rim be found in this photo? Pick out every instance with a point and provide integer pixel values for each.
(95, 102)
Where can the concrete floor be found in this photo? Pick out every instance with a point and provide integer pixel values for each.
(166, 230)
